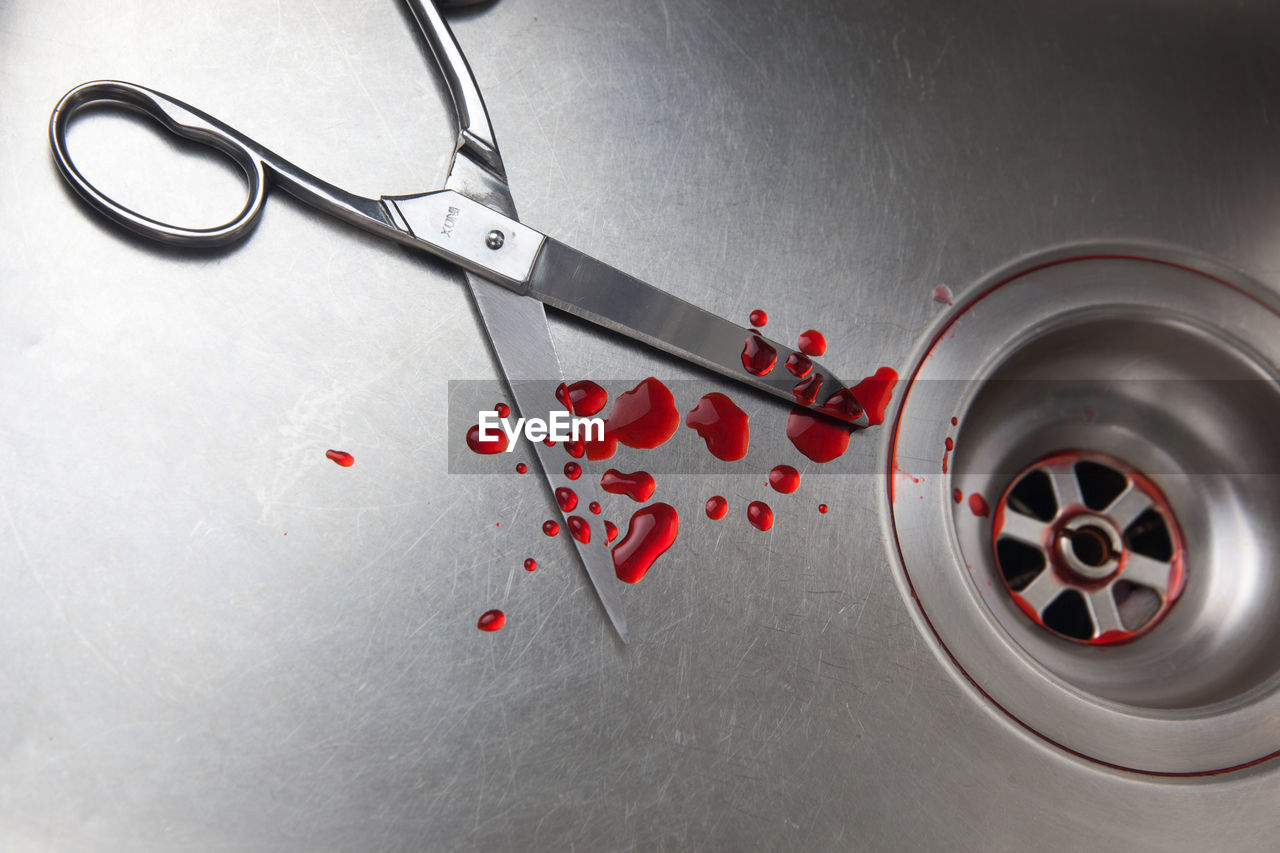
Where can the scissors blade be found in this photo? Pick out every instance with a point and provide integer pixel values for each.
(517, 328)
(567, 279)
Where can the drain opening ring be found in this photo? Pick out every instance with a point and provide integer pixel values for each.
(1088, 548)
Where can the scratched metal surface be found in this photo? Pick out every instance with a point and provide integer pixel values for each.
(176, 672)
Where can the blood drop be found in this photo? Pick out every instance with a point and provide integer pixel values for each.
(651, 531)
(491, 620)
(638, 486)
(758, 357)
(759, 514)
(643, 417)
(784, 479)
(813, 343)
(717, 506)
(572, 470)
(530, 564)
(343, 458)
(587, 398)
(551, 528)
(567, 498)
(758, 318)
(580, 529)
(722, 425)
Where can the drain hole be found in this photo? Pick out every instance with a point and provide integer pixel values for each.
(1099, 484)
(1033, 496)
(1149, 536)
(1019, 562)
(1138, 605)
(1069, 616)
(1091, 546)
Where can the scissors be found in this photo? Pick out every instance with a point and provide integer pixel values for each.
(511, 269)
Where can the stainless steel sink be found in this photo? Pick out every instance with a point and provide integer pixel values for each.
(214, 637)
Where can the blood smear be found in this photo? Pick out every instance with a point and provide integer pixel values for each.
(759, 514)
(806, 390)
(813, 343)
(572, 470)
(947, 446)
(758, 318)
(943, 294)
(651, 531)
(643, 417)
(587, 398)
(717, 507)
(758, 357)
(491, 620)
(551, 528)
(530, 564)
(567, 498)
(342, 457)
(580, 529)
(784, 479)
(638, 486)
(722, 425)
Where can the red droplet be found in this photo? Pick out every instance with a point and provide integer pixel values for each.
(521, 468)
(943, 294)
(722, 425)
(594, 506)
(643, 417)
(496, 443)
(562, 394)
(758, 357)
(610, 532)
(576, 448)
(799, 365)
(587, 398)
(758, 318)
(530, 564)
(346, 460)
(638, 486)
(572, 470)
(650, 533)
(822, 508)
(957, 495)
(502, 409)
(717, 507)
(948, 446)
(874, 393)
(567, 499)
(813, 343)
(549, 442)
(759, 514)
(819, 438)
(491, 620)
(580, 529)
(551, 528)
(955, 421)
(806, 390)
(978, 505)
(784, 479)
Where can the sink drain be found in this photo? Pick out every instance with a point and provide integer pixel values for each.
(1088, 548)
(1084, 482)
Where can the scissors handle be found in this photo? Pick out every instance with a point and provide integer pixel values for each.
(261, 168)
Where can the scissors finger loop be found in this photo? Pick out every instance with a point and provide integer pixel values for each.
(178, 118)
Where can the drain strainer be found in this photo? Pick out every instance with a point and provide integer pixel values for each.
(1084, 482)
(1088, 548)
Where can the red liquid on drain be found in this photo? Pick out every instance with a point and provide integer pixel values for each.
(957, 495)
(943, 294)
(822, 508)
(758, 318)
(784, 479)
(587, 398)
(594, 506)
(722, 425)
(643, 417)
(813, 343)
(638, 486)
(346, 460)
(874, 393)
(978, 505)
(566, 498)
(650, 533)
(955, 421)
(610, 532)
(502, 409)
(580, 529)
(491, 620)
(798, 365)
(530, 564)
(521, 468)
(572, 470)
(759, 514)
(717, 507)
(948, 446)
(757, 356)
(550, 528)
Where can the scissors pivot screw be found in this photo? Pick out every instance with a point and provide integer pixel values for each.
(494, 239)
